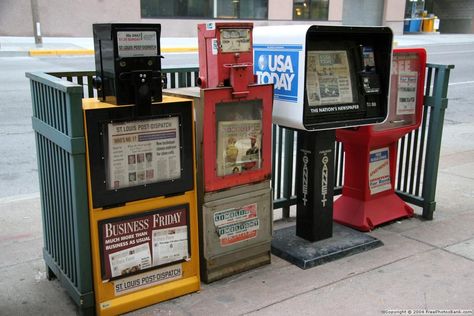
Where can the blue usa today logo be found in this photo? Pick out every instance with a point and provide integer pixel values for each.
(277, 69)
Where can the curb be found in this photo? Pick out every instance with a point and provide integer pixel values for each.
(13, 53)
(71, 52)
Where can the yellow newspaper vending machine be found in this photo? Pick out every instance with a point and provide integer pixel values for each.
(141, 176)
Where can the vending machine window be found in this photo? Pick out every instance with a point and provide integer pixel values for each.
(239, 137)
(342, 83)
(135, 158)
(403, 92)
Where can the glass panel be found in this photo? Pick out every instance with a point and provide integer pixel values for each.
(176, 8)
(403, 92)
(142, 152)
(253, 9)
(310, 10)
(225, 9)
(414, 8)
(235, 40)
(228, 9)
(328, 78)
(157, 8)
(239, 137)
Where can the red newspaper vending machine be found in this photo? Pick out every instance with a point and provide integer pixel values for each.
(368, 196)
(233, 130)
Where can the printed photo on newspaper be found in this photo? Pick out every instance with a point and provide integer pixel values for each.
(130, 260)
(238, 146)
(328, 79)
(143, 152)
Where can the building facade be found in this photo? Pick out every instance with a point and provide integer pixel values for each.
(179, 17)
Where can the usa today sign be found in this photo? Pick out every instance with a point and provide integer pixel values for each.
(278, 64)
(279, 58)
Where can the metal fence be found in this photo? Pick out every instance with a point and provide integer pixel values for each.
(418, 152)
(59, 131)
(60, 146)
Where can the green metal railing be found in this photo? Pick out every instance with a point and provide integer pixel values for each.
(418, 152)
(59, 132)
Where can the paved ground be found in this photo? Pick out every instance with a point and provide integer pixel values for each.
(422, 265)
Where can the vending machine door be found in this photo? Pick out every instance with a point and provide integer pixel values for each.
(406, 90)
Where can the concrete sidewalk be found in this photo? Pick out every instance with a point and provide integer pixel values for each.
(422, 265)
(54, 46)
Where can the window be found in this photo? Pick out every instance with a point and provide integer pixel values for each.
(175, 8)
(310, 10)
(218, 9)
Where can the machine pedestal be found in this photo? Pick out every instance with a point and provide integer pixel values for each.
(305, 254)
(368, 196)
(365, 215)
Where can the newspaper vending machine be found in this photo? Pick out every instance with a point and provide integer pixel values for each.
(140, 155)
(325, 77)
(233, 127)
(368, 195)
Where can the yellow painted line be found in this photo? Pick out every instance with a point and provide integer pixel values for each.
(54, 52)
(179, 49)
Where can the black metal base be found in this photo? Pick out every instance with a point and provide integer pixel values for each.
(304, 254)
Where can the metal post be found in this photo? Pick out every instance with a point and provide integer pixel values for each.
(287, 170)
(36, 22)
(315, 184)
(435, 131)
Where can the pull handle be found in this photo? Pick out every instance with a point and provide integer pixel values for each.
(397, 121)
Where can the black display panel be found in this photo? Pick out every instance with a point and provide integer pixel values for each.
(133, 158)
(347, 76)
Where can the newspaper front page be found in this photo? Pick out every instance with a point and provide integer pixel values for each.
(328, 79)
(170, 244)
(238, 146)
(142, 152)
(406, 97)
(130, 260)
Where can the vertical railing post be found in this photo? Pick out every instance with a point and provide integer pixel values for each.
(435, 132)
(287, 170)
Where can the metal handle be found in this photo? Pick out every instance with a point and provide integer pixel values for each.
(397, 121)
